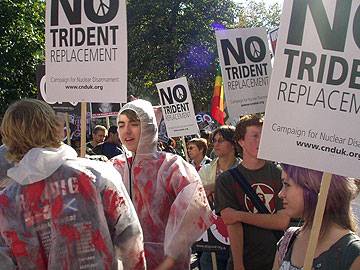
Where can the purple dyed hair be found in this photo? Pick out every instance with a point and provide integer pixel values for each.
(341, 192)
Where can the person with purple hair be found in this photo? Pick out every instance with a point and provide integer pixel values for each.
(338, 246)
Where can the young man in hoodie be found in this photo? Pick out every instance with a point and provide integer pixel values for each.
(166, 191)
(61, 212)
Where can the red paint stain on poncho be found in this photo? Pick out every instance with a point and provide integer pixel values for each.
(148, 190)
(86, 187)
(71, 233)
(57, 207)
(4, 200)
(32, 194)
(140, 261)
(112, 202)
(201, 224)
(41, 260)
(100, 245)
(18, 247)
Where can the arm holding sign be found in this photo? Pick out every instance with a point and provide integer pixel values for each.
(278, 221)
(236, 235)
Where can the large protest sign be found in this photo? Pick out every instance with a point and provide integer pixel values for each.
(314, 101)
(246, 69)
(58, 107)
(86, 50)
(216, 238)
(177, 107)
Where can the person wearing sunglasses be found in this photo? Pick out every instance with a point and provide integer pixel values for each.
(197, 149)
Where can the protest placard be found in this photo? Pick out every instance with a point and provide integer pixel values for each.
(58, 107)
(273, 36)
(99, 110)
(314, 100)
(177, 107)
(86, 51)
(246, 69)
(216, 238)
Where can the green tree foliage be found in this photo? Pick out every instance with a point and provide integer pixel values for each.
(21, 48)
(259, 14)
(167, 39)
(173, 38)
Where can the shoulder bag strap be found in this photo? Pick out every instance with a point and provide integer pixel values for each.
(249, 191)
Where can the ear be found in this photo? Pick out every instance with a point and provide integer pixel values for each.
(240, 142)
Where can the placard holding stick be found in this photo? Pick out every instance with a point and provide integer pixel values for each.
(83, 130)
(185, 149)
(318, 217)
(107, 122)
(68, 131)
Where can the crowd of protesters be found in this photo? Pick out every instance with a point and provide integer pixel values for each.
(144, 205)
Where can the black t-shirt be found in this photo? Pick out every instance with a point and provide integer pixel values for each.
(259, 244)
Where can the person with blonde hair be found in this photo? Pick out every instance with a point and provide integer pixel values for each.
(338, 246)
(60, 211)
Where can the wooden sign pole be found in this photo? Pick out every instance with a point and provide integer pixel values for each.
(185, 148)
(107, 122)
(83, 130)
(68, 131)
(318, 217)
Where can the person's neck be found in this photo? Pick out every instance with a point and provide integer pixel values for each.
(93, 143)
(251, 163)
(226, 162)
(198, 160)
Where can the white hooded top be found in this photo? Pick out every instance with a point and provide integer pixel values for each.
(64, 212)
(166, 192)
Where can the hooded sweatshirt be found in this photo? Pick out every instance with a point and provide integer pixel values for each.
(63, 212)
(166, 192)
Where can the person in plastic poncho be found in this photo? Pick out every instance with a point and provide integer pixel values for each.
(166, 191)
(60, 211)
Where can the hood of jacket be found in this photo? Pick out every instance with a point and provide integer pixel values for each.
(149, 130)
(40, 163)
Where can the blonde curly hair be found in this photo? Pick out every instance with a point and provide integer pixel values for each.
(29, 123)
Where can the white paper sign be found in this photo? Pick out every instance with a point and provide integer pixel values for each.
(86, 50)
(312, 116)
(246, 69)
(177, 107)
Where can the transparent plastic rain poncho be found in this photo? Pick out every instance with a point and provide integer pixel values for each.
(63, 212)
(167, 194)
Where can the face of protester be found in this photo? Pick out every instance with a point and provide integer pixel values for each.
(194, 152)
(129, 132)
(99, 136)
(222, 147)
(251, 141)
(292, 196)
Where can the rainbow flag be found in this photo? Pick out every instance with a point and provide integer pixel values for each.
(217, 101)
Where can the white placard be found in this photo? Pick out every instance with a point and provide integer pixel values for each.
(86, 50)
(177, 107)
(312, 114)
(246, 69)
